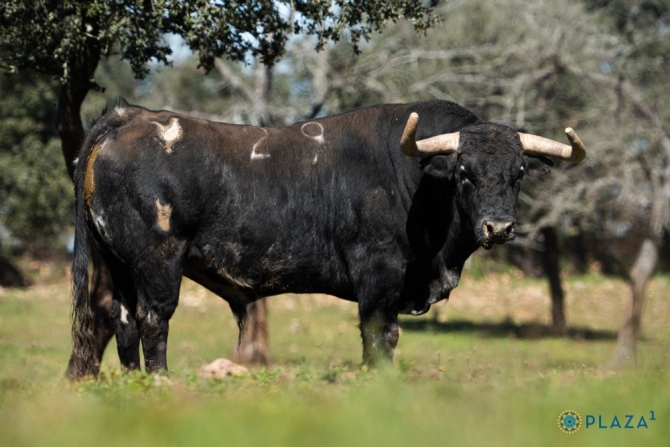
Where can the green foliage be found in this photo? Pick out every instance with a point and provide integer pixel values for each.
(67, 38)
(35, 191)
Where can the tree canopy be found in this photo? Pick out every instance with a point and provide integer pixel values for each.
(66, 38)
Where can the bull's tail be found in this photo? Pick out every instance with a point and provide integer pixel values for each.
(83, 319)
(84, 361)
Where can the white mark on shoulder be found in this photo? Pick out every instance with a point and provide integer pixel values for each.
(169, 133)
(316, 158)
(256, 156)
(163, 213)
(124, 314)
(75, 161)
(120, 111)
(313, 134)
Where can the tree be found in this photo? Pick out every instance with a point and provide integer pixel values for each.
(66, 39)
(641, 82)
(35, 199)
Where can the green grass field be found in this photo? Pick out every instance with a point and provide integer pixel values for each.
(478, 370)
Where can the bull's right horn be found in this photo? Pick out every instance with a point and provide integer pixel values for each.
(444, 143)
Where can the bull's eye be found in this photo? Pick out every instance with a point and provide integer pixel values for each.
(519, 176)
(465, 176)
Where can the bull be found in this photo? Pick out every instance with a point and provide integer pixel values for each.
(380, 205)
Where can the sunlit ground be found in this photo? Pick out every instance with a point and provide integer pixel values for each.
(478, 370)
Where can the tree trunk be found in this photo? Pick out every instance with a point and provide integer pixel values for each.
(253, 347)
(68, 123)
(639, 275)
(580, 252)
(550, 262)
(261, 99)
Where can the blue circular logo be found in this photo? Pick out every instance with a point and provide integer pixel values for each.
(569, 421)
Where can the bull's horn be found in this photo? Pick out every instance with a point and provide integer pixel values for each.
(408, 139)
(573, 153)
(444, 143)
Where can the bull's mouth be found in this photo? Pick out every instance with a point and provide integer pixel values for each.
(489, 243)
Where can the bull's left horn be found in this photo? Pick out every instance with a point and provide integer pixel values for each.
(573, 153)
(444, 143)
(408, 139)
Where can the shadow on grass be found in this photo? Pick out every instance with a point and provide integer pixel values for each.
(506, 328)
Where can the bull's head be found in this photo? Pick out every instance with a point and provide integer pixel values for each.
(486, 162)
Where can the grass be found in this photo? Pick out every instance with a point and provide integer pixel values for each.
(479, 370)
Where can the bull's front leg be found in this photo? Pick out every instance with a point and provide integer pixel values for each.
(154, 333)
(379, 330)
(378, 291)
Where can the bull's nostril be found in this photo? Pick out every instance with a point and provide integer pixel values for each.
(509, 228)
(490, 230)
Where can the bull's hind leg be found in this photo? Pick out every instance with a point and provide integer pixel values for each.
(123, 311)
(252, 343)
(157, 283)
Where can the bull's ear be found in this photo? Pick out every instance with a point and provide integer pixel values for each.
(537, 165)
(439, 166)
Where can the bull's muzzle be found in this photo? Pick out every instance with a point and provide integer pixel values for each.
(497, 232)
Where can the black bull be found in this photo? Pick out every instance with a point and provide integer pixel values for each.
(328, 206)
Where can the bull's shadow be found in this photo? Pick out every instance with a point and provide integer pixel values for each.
(503, 329)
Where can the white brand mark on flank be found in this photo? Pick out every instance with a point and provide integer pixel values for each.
(254, 155)
(169, 133)
(318, 138)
